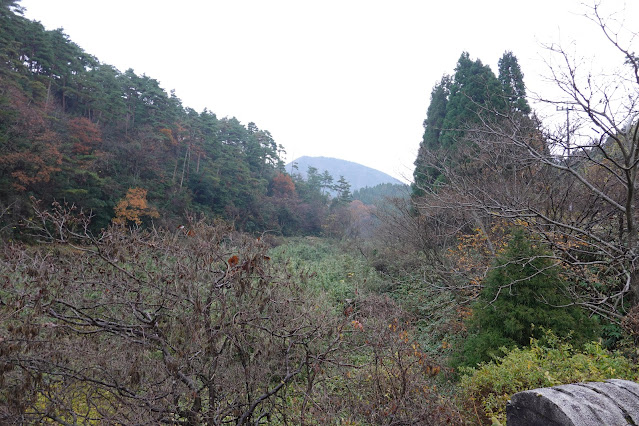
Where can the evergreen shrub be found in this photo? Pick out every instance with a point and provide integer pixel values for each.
(523, 292)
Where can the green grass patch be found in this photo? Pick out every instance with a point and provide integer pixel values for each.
(325, 267)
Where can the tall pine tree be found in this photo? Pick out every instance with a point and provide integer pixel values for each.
(512, 83)
(474, 90)
(424, 175)
(457, 103)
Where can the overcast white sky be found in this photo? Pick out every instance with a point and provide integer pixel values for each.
(349, 79)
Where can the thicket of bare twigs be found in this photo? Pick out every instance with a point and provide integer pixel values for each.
(192, 326)
(572, 186)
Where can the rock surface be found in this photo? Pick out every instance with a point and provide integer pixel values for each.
(614, 402)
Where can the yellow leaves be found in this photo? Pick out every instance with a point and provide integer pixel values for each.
(476, 251)
(133, 207)
(75, 403)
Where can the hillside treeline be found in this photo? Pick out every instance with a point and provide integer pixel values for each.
(76, 130)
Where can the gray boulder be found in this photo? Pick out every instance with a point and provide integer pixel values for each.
(614, 402)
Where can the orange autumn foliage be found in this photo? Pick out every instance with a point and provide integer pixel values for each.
(283, 186)
(85, 135)
(133, 207)
(168, 134)
(30, 154)
(34, 166)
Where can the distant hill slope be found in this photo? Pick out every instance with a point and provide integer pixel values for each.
(357, 175)
(380, 193)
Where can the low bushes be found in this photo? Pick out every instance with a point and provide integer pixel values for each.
(548, 361)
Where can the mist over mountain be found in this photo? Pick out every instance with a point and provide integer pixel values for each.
(359, 176)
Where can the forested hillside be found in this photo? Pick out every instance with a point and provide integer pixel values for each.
(76, 130)
(380, 193)
(158, 265)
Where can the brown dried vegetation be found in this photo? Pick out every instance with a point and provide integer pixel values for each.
(149, 327)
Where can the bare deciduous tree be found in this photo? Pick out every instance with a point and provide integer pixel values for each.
(575, 187)
(191, 326)
(187, 327)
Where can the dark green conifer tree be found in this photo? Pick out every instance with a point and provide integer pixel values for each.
(436, 113)
(314, 180)
(343, 189)
(475, 90)
(456, 105)
(424, 175)
(512, 83)
(523, 293)
(327, 182)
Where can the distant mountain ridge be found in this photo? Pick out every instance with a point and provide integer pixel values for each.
(358, 175)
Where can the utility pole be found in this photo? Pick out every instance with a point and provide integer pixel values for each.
(567, 109)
